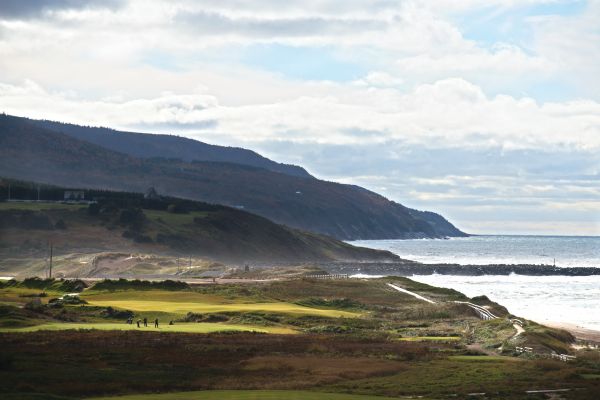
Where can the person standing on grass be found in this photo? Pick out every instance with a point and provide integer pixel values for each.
(138, 322)
(156, 323)
(145, 322)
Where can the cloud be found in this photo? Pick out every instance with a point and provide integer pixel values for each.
(168, 110)
(572, 43)
(214, 24)
(399, 96)
(379, 79)
(447, 113)
(19, 9)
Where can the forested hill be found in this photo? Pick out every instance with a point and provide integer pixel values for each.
(146, 145)
(33, 153)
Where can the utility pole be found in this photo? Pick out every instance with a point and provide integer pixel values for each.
(50, 264)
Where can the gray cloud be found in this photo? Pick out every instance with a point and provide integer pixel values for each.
(212, 23)
(467, 185)
(24, 9)
(177, 126)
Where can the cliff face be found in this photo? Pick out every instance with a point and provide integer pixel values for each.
(30, 152)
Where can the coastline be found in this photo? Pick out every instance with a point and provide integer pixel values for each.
(579, 332)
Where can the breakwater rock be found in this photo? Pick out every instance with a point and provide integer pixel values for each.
(408, 268)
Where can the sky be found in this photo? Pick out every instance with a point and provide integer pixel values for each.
(487, 112)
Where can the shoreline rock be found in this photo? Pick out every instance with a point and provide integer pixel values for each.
(408, 268)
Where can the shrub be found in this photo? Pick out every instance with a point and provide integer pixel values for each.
(110, 312)
(71, 300)
(124, 284)
(333, 303)
(93, 209)
(133, 217)
(72, 285)
(34, 305)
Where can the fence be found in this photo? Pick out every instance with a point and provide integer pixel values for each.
(327, 276)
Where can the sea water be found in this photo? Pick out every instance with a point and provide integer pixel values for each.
(568, 251)
(570, 299)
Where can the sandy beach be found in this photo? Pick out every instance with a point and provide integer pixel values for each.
(577, 331)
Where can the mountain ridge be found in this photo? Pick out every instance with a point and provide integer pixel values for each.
(147, 145)
(346, 212)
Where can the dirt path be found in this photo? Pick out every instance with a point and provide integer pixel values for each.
(519, 329)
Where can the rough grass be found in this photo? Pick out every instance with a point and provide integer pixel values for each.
(485, 358)
(174, 220)
(430, 338)
(198, 327)
(131, 362)
(246, 395)
(34, 206)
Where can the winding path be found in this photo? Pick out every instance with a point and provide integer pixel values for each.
(418, 296)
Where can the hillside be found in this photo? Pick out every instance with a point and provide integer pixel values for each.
(129, 222)
(346, 212)
(146, 145)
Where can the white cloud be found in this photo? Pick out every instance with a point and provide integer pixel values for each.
(454, 112)
(439, 120)
(572, 43)
(379, 79)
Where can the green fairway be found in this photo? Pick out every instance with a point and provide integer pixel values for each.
(196, 327)
(246, 395)
(185, 307)
(182, 302)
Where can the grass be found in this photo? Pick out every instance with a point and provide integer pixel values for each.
(485, 358)
(430, 338)
(174, 219)
(203, 308)
(245, 395)
(134, 362)
(184, 302)
(198, 327)
(590, 376)
(34, 206)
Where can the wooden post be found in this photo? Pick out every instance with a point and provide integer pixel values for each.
(50, 266)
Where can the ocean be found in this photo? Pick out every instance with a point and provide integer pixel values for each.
(574, 300)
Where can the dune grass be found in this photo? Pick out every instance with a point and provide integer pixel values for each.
(245, 395)
(197, 327)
